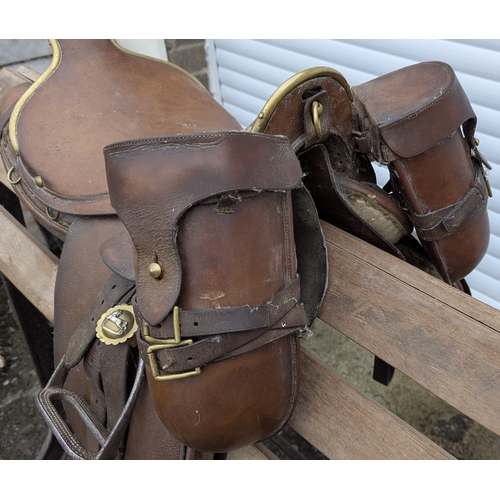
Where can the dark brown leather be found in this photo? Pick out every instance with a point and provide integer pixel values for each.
(419, 121)
(173, 195)
(81, 277)
(214, 209)
(340, 179)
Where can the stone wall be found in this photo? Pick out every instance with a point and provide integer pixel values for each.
(189, 55)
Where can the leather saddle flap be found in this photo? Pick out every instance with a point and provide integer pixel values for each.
(415, 107)
(94, 94)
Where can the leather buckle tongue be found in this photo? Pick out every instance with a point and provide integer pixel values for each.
(159, 344)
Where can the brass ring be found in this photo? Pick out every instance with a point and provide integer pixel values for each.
(9, 176)
(317, 109)
(49, 215)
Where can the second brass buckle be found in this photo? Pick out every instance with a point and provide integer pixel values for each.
(159, 344)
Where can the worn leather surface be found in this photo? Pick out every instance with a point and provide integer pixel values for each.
(340, 179)
(215, 210)
(153, 182)
(99, 94)
(81, 277)
(173, 195)
(420, 122)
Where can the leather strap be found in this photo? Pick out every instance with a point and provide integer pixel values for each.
(112, 293)
(230, 319)
(433, 226)
(282, 313)
(115, 291)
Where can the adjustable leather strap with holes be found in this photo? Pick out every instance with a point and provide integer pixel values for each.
(225, 330)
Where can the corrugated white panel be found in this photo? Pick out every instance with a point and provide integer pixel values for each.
(250, 71)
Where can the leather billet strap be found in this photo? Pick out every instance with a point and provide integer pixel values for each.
(223, 331)
(154, 181)
(109, 441)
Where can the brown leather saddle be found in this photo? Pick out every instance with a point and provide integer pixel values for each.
(192, 249)
(194, 285)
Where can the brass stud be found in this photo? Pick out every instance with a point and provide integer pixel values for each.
(155, 270)
(39, 181)
(477, 141)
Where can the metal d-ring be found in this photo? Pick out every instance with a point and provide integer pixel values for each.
(50, 215)
(317, 109)
(9, 176)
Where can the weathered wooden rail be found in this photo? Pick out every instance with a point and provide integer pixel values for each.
(446, 341)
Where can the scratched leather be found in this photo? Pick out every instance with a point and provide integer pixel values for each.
(153, 182)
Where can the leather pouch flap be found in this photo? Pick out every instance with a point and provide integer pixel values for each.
(153, 182)
(416, 107)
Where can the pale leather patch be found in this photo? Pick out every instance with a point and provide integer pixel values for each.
(378, 218)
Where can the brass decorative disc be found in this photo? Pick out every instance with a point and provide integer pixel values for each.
(117, 325)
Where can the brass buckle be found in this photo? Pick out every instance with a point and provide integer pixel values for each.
(158, 344)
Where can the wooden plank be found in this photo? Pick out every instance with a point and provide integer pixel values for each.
(343, 423)
(27, 264)
(28, 73)
(255, 452)
(440, 337)
(3, 176)
(9, 79)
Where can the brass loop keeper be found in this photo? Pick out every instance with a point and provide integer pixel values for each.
(9, 177)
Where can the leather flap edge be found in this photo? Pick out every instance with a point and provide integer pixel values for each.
(416, 107)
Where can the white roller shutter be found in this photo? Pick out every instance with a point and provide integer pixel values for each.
(249, 71)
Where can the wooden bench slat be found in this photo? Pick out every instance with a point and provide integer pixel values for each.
(27, 264)
(255, 452)
(440, 337)
(343, 423)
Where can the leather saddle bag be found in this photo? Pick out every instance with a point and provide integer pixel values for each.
(217, 298)
(419, 122)
(192, 254)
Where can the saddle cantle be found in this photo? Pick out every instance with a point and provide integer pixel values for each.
(195, 234)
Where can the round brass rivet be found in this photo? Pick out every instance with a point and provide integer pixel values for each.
(39, 181)
(155, 270)
(476, 140)
(261, 115)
